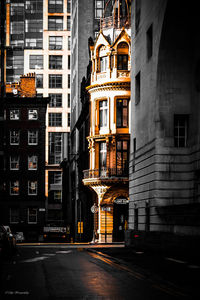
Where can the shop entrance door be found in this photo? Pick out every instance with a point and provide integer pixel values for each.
(120, 219)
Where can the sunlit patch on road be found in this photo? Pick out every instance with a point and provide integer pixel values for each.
(63, 252)
(35, 259)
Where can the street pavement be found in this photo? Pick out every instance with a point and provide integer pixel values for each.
(85, 271)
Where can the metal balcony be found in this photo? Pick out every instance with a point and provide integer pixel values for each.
(106, 173)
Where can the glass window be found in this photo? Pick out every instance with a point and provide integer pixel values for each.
(33, 42)
(55, 119)
(55, 177)
(32, 215)
(103, 63)
(68, 120)
(33, 26)
(102, 158)
(103, 113)
(14, 114)
(55, 81)
(69, 42)
(68, 23)
(32, 162)
(55, 62)
(55, 6)
(55, 23)
(16, 9)
(68, 100)
(122, 61)
(180, 130)
(32, 137)
(14, 162)
(55, 42)
(99, 8)
(14, 187)
(122, 112)
(55, 147)
(14, 137)
(68, 6)
(32, 188)
(137, 88)
(55, 100)
(122, 158)
(32, 114)
(39, 80)
(14, 215)
(68, 83)
(36, 62)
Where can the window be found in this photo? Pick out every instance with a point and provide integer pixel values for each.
(102, 158)
(99, 8)
(68, 6)
(32, 215)
(103, 113)
(14, 215)
(14, 162)
(33, 42)
(55, 177)
(122, 62)
(32, 188)
(39, 80)
(137, 88)
(55, 81)
(14, 114)
(32, 137)
(68, 62)
(68, 120)
(55, 119)
(180, 130)
(55, 6)
(55, 42)
(149, 37)
(14, 137)
(55, 62)
(14, 187)
(122, 158)
(68, 100)
(68, 81)
(136, 218)
(55, 147)
(122, 112)
(32, 162)
(55, 100)
(55, 23)
(33, 25)
(147, 217)
(103, 63)
(36, 62)
(69, 42)
(68, 23)
(16, 9)
(32, 114)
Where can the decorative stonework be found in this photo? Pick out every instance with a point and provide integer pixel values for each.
(100, 191)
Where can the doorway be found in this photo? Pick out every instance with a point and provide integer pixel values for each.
(120, 218)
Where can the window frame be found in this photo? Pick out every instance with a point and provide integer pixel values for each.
(55, 100)
(103, 114)
(55, 62)
(30, 132)
(53, 81)
(56, 45)
(56, 26)
(15, 161)
(121, 111)
(18, 137)
(15, 215)
(14, 114)
(55, 7)
(35, 193)
(13, 186)
(36, 62)
(177, 127)
(36, 215)
(31, 112)
(33, 161)
(55, 119)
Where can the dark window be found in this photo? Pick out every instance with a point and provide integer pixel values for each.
(32, 215)
(147, 217)
(122, 112)
(180, 130)
(55, 42)
(134, 153)
(122, 157)
(122, 61)
(68, 62)
(137, 88)
(14, 215)
(14, 162)
(39, 80)
(69, 81)
(69, 42)
(55, 81)
(68, 23)
(55, 62)
(14, 137)
(68, 6)
(55, 147)
(68, 120)
(32, 137)
(55, 119)
(55, 23)
(68, 100)
(136, 218)
(55, 6)
(103, 113)
(149, 37)
(55, 100)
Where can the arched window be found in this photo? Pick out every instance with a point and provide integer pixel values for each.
(103, 59)
(122, 56)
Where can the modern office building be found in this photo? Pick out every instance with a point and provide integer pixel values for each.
(165, 151)
(38, 41)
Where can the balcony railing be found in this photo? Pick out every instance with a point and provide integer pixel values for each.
(105, 173)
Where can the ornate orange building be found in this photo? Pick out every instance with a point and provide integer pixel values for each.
(109, 123)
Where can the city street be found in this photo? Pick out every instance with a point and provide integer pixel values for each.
(80, 272)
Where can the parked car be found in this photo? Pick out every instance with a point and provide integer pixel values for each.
(11, 238)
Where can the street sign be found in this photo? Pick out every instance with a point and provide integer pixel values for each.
(94, 209)
(41, 209)
(106, 208)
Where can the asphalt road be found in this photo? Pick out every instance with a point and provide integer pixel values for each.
(62, 272)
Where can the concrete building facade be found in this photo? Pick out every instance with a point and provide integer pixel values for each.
(164, 157)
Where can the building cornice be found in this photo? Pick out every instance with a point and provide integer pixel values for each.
(112, 85)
